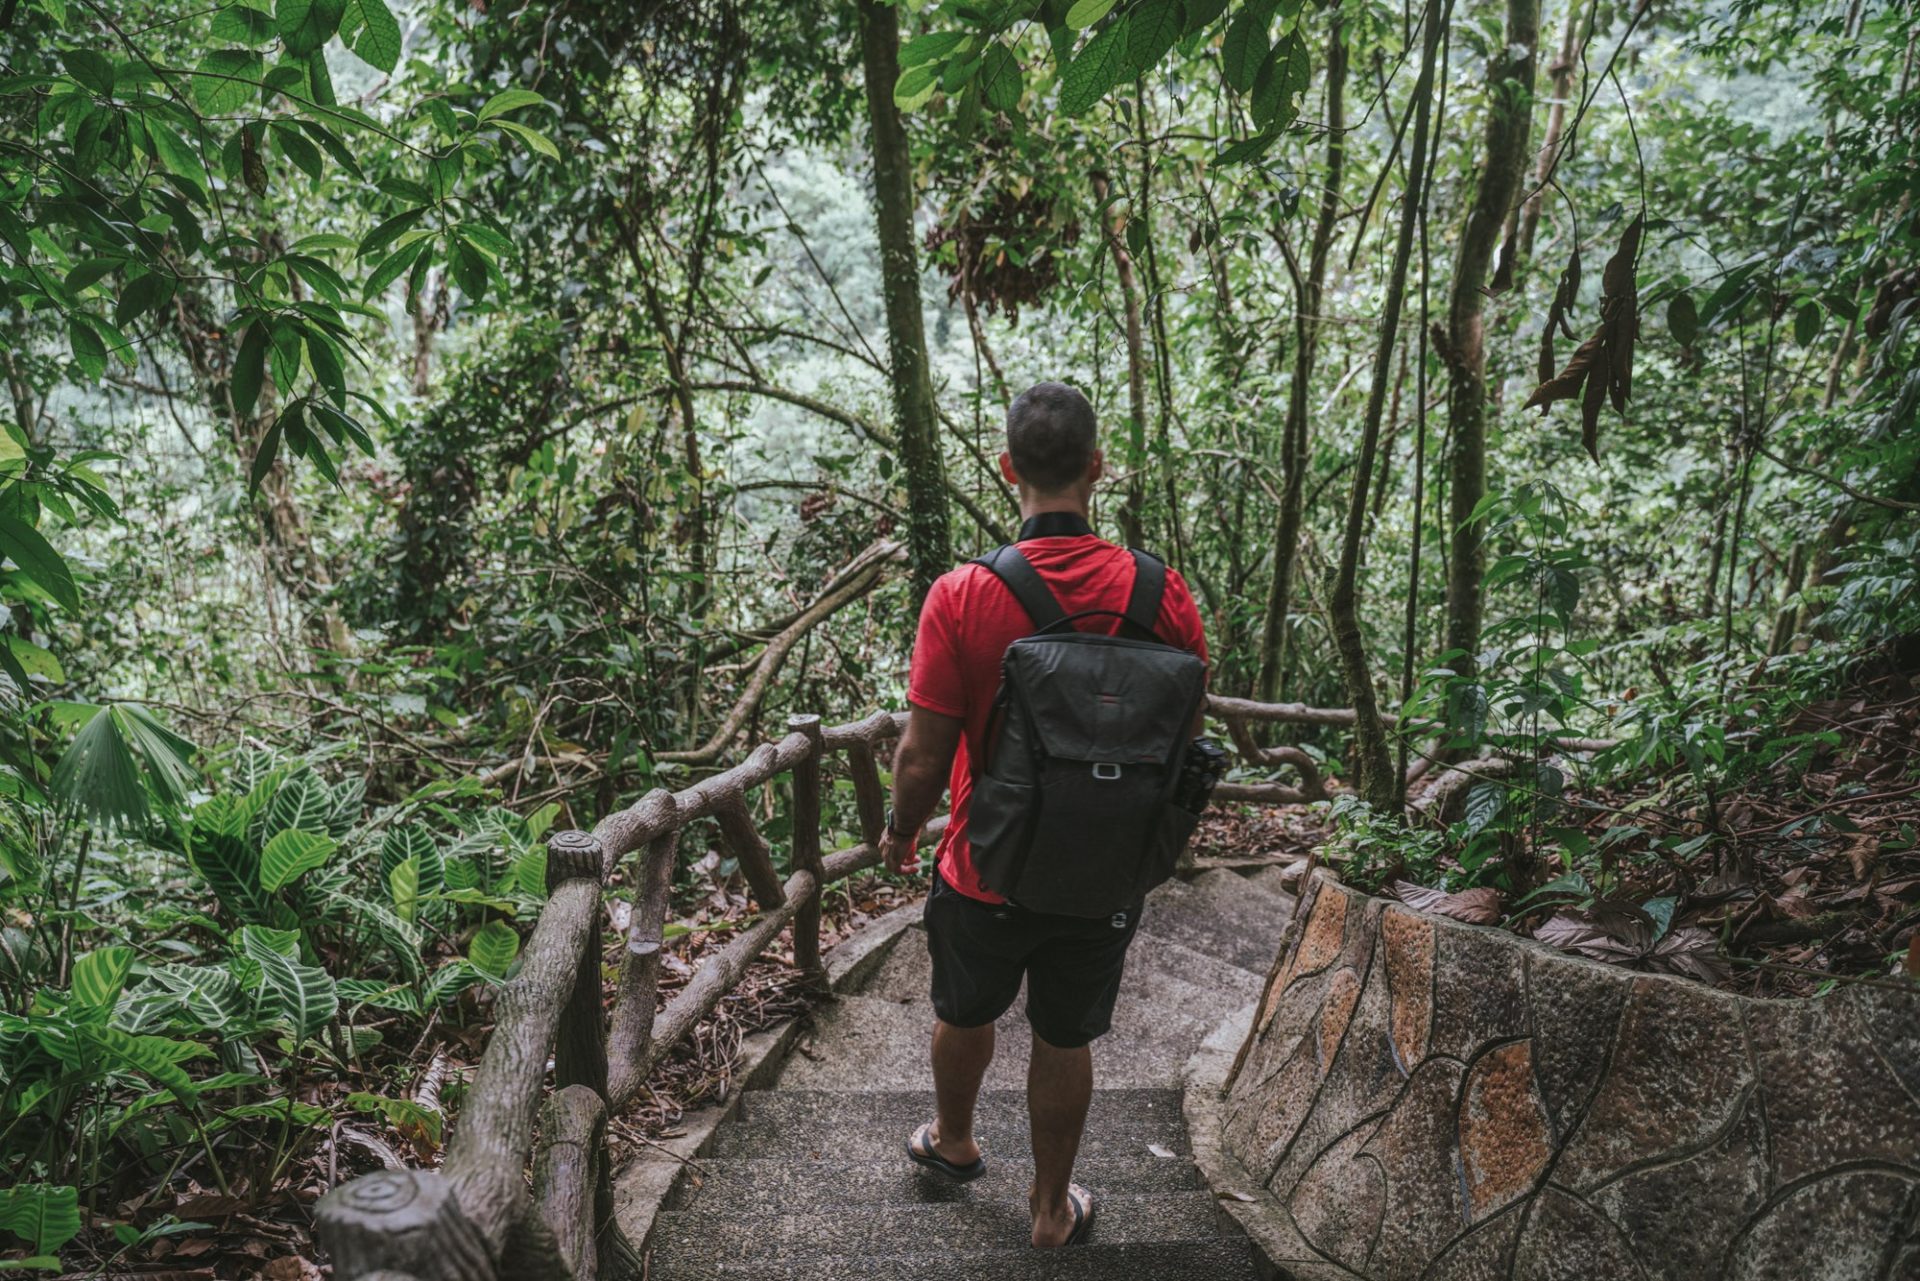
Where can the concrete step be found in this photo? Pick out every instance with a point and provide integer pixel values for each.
(769, 1186)
(1216, 1259)
(1219, 917)
(864, 1043)
(908, 972)
(1272, 880)
(955, 1227)
(865, 1126)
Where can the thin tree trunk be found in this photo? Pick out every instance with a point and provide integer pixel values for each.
(1510, 76)
(1131, 522)
(1306, 331)
(1562, 73)
(1379, 785)
(929, 543)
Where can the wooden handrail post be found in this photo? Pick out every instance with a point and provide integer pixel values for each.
(806, 848)
(640, 972)
(580, 1049)
(743, 841)
(569, 1173)
(395, 1223)
(869, 797)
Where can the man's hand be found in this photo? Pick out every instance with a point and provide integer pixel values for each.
(901, 854)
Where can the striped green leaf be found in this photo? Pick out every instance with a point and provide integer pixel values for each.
(43, 1213)
(302, 997)
(99, 976)
(290, 855)
(493, 948)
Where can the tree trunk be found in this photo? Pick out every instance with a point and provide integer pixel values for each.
(1131, 521)
(1379, 784)
(1306, 330)
(928, 542)
(1562, 73)
(1510, 74)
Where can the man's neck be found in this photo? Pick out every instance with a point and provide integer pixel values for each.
(1031, 506)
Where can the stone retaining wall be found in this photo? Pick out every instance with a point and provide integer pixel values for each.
(1426, 1099)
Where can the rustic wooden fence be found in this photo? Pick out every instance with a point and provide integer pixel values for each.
(477, 1218)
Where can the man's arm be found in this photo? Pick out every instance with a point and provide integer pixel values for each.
(920, 769)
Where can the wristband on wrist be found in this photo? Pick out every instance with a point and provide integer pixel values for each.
(895, 831)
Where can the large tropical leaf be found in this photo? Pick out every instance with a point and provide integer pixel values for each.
(303, 802)
(102, 775)
(413, 841)
(211, 997)
(493, 948)
(301, 996)
(99, 976)
(45, 1215)
(291, 854)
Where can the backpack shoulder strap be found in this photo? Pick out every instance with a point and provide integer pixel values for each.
(1023, 580)
(1149, 585)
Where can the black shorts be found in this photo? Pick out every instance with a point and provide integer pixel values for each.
(1071, 964)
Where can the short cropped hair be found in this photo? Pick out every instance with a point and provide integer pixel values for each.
(1050, 435)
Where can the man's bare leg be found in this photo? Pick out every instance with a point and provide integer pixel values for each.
(1059, 1089)
(960, 1059)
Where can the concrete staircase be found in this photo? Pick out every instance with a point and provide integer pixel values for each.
(809, 1181)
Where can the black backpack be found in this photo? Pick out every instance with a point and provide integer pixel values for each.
(1072, 810)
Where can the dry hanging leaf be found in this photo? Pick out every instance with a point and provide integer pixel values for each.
(1603, 365)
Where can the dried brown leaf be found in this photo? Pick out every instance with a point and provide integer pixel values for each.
(1567, 383)
(1590, 406)
(1477, 906)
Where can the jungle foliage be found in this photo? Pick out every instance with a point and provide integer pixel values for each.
(428, 423)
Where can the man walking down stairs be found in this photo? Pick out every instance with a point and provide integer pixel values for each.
(809, 1182)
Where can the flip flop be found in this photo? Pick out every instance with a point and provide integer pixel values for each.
(920, 1152)
(1082, 1202)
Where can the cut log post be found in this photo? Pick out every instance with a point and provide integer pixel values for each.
(567, 1175)
(806, 847)
(633, 1007)
(486, 1160)
(580, 1053)
(401, 1223)
(869, 797)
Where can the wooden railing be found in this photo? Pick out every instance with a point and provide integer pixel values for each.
(475, 1219)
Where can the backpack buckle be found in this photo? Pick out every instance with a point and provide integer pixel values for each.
(1106, 770)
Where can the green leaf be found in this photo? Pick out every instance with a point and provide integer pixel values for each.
(33, 659)
(931, 47)
(1806, 322)
(90, 68)
(242, 24)
(293, 144)
(142, 296)
(320, 79)
(303, 803)
(1084, 13)
(46, 1215)
(227, 80)
(156, 1057)
(390, 230)
(290, 855)
(915, 86)
(88, 351)
(301, 996)
(413, 841)
(99, 976)
(1281, 80)
(1000, 78)
(369, 29)
(249, 366)
(1484, 804)
(305, 25)
(1202, 13)
(493, 948)
(1153, 27)
(469, 271)
(1683, 319)
(263, 456)
(29, 550)
(1244, 49)
(532, 137)
(403, 883)
(1095, 69)
(508, 100)
(1247, 149)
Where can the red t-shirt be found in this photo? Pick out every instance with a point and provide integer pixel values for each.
(965, 627)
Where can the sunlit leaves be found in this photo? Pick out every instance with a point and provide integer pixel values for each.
(305, 25)
(508, 100)
(1152, 28)
(118, 755)
(36, 559)
(1084, 13)
(1245, 48)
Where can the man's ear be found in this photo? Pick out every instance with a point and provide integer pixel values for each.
(1096, 467)
(1006, 468)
